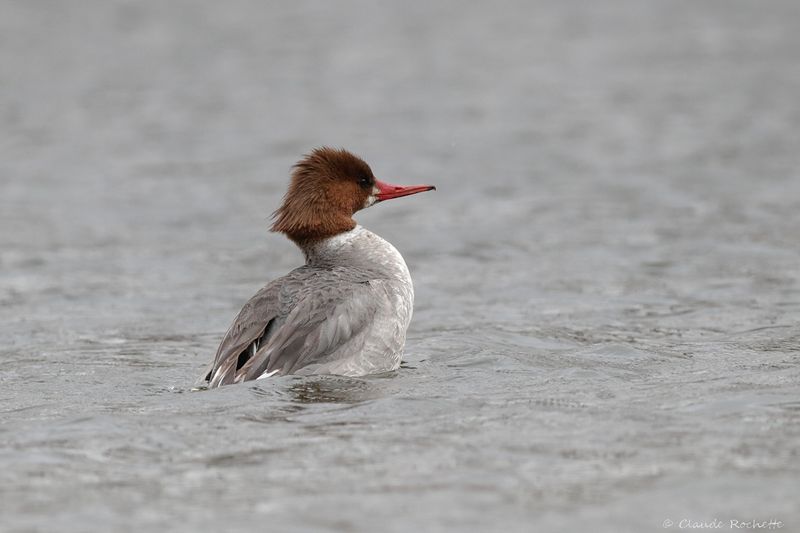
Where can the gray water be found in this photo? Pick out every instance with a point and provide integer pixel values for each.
(607, 323)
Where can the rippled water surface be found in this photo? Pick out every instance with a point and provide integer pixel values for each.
(606, 334)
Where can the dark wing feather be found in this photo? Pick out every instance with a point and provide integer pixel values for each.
(248, 326)
(255, 323)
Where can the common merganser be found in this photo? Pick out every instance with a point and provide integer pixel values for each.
(346, 311)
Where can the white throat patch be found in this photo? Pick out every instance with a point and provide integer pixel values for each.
(372, 198)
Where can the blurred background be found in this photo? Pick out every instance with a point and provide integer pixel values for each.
(607, 299)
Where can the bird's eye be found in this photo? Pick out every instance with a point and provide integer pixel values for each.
(365, 182)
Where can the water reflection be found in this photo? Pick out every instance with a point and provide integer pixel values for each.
(333, 389)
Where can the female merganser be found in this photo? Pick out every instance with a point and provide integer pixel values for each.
(346, 311)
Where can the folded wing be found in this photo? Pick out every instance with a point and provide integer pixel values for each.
(326, 325)
(310, 316)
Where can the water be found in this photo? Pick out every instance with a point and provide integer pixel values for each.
(606, 330)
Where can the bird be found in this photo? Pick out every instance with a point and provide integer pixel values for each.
(347, 309)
